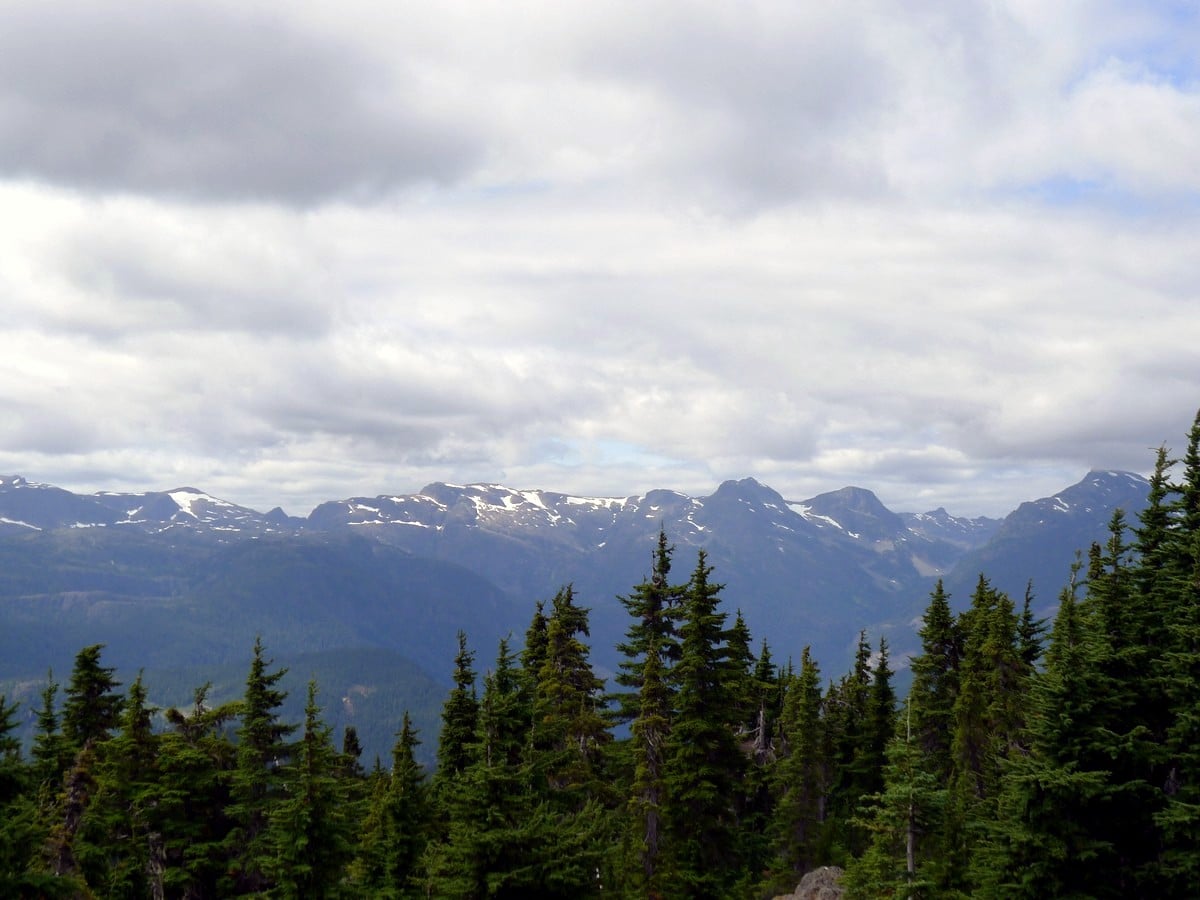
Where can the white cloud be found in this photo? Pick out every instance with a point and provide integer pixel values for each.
(942, 250)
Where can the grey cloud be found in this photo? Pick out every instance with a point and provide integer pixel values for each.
(181, 99)
(133, 285)
(771, 107)
(59, 430)
(417, 406)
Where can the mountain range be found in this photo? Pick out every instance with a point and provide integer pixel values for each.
(368, 593)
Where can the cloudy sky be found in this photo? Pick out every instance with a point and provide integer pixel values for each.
(295, 251)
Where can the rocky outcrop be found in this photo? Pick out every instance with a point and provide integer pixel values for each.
(819, 884)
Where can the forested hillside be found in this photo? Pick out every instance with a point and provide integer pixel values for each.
(1029, 759)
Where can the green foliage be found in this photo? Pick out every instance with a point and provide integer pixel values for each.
(901, 821)
(459, 719)
(92, 707)
(257, 783)
(935, 682)
(195, 764)
(1044, 841)
(703, 765)
(117, 845)
(308, 833)
(800, 778)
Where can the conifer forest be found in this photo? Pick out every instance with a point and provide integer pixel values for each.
(1030, 758)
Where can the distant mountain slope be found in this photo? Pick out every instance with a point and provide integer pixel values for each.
(810, 572)
(1038, 540)
(177, 581)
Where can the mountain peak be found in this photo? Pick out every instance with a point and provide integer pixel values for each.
(748, 489)
(858, 511)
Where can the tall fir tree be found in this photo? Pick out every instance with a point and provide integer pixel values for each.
(93, 706)
(119, 847)
(1044, 840)
(408, 810)
(852, 761)
(899, 861)
(460, 715)
(654, 607)
(257, 784)
(569, 730)
(988, 720)
(1178, 580)
(800, 779)
(21, 835)
(309, 831)
(704, 766)
(646, 702)
(489, 847)
(935, 682)
(51, 753)
(195, 764)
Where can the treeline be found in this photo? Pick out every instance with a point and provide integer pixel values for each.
(1024, 763)
(677, 783)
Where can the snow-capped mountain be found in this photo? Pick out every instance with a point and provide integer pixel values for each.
(29, 506)
(405, 571)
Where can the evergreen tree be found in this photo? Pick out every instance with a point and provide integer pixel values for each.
(1048, 839)
(646, 702)
(257, 785)
(459, 719)
(489, 848)
(352, 750)
(1169, 573)
(20, 835)
(852, 755)
(1179, 818)
(565, 760)
(195, 763)
(117, 848)
(396, 825)
(800, 779)
(51, 755)
(1030, 632)
(758, 806)
(1130, 711)
(12, 769)
(408, 807)
(568, 732)
(899, 861)
(881, 717)
(308, 832)
(92, 709)
(368, 873)
(988, 719)
(739, 663)
(533, 655)
(704, 766)
(647, 795)
(768, 705)
(988, 708)
(653, 607)
(935, 683)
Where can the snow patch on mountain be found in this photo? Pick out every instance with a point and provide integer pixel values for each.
(18, 522)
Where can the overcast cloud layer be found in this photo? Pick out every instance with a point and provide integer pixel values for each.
(947, 250)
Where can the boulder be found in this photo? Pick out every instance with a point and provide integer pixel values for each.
(819, 884)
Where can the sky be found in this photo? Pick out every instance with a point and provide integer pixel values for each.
(288, 252)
